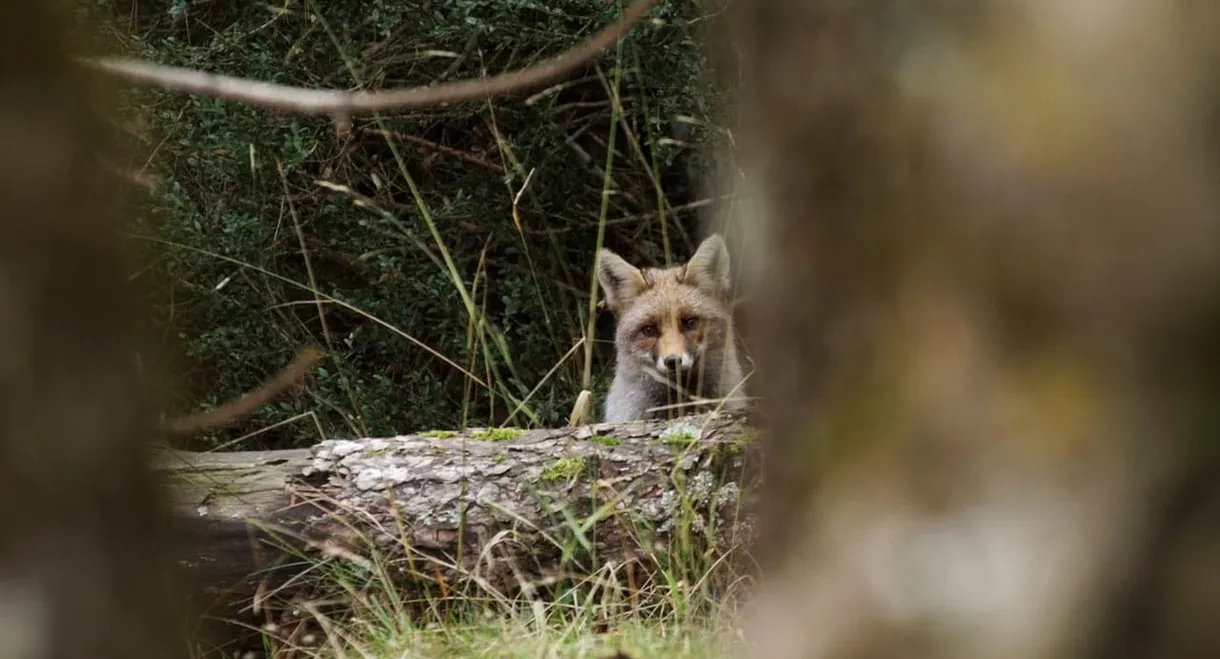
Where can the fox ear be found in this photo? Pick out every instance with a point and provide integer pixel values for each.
(620, 281)
(708, 268)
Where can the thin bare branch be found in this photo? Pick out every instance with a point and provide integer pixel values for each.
(344, 104)
(251, 401)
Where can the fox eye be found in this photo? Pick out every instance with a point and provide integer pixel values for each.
(650, 331)
(689, 323)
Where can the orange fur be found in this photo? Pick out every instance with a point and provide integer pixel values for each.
(674, 334)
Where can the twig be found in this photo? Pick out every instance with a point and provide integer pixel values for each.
(241, 407)
(342, 105)
(440, 148)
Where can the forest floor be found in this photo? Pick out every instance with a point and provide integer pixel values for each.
(514, 638)
(692, 607)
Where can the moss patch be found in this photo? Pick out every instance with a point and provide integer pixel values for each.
(563, 469)
(438, 434)
(604, 440)
(748, 436)
(498, 434)
(681, 433)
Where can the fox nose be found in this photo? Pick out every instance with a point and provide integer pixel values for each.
(673, 362)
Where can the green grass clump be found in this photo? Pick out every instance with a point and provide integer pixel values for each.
(515, 639)
(688, 610)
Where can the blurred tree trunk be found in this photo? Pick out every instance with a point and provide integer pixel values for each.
(81, 532)
(987, 327)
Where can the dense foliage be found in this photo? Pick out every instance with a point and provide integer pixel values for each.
(443, 256)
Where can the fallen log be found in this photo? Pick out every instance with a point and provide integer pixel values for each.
(484, 512)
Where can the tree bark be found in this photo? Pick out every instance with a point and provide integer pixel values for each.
(487, 509)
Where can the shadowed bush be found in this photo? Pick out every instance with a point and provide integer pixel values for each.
(443, 255)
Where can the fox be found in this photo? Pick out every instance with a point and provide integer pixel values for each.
(674, 335)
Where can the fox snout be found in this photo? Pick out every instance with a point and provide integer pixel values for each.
(674, 361)
(673, 353)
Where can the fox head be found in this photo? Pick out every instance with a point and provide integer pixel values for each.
(671, 320)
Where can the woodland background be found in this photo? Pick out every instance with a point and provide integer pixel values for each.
(443, 256)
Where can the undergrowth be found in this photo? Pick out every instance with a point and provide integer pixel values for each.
(612, 582)
(442, 256)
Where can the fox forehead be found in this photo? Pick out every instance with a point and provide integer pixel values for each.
(665, 279)
(667, 297)
(672, 282)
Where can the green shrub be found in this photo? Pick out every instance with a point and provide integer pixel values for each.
(273, 231)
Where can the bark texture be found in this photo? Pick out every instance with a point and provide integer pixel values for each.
(484, 510)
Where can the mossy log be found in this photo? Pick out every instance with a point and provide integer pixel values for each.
(481, 510)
